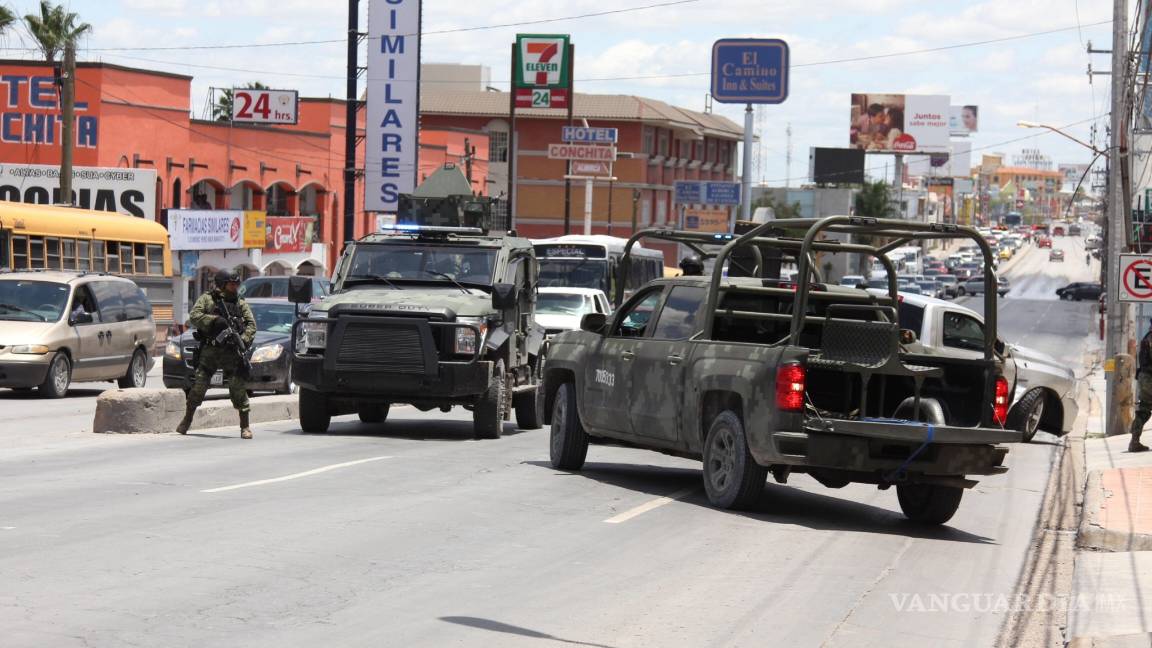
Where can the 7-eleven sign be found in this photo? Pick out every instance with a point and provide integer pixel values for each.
(540, 61)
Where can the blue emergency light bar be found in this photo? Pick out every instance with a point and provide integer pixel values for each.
(430, 229)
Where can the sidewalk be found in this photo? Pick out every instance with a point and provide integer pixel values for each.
(1111, 604)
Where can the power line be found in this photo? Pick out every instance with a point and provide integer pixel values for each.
(633, 77)
(458, 30)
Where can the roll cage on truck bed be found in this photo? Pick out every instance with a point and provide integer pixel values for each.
(784, 376)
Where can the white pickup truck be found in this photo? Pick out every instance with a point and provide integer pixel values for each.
(1043, 388)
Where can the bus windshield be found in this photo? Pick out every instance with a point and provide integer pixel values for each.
(574, 273)
(469, 265)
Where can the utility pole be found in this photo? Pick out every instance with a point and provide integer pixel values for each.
(351, 106)
(68, 114)
(1118, 379)
(788, 157)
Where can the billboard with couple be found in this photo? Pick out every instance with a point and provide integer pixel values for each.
(897, 123)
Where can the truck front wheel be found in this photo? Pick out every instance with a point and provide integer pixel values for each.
(314, 414)
(929, 503)
(732, 478)
(488, 414)
(568, 446)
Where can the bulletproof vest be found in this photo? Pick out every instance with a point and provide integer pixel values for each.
(1144, 358)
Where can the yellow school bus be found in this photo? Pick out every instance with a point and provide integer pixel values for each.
(40, 237)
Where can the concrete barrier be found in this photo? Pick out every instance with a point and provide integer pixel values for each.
(152, 411)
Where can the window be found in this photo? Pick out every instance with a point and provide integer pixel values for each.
(136, 306)
(963, 332)
(911, 318)
(649, 140)
(634, 320)
(678, 318)
(497, 146)
(99, 258)
(140, 259)
(52, 250)
(663, 150)
(36, 252)
(84, 302)
(83, 255)
(126, 258)
(4, 242)
(155, 260)
(19, 252)
(109, 300)
(277, 201)
(711, 151)
(68, 253)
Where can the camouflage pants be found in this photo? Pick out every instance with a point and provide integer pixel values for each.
(211, 359)
(1144, 401)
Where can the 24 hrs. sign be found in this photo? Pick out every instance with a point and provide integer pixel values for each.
(260, 106)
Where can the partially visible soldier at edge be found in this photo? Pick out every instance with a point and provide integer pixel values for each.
(692, 266)
(1144, 393)
(207, 316)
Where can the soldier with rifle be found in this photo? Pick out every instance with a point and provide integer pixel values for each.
(225, 328)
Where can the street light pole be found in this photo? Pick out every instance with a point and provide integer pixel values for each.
(1119, 380)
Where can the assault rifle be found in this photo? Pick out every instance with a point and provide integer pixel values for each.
(232, 336)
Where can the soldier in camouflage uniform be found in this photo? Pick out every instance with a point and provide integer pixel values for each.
(692, 266)
(1144, 393)
(207, 318)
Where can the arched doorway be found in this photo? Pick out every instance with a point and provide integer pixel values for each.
(309, 268)
(206, 194)
(280, 199)
(277, 269)
(177, 194)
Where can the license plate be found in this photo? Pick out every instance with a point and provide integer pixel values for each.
(217, 379)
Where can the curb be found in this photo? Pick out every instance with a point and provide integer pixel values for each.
(265, 409)
(1142, 640)
(156, 411)
(1090, 535)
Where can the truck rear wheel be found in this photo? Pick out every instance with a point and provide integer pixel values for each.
(1026, 415)
(929, 503)
(372, 412)
(568, 443)
(732, 478)
(488, 414)
(527, 416)
(314, 414)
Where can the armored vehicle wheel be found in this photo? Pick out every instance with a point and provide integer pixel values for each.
(568, 446)
(1026, 416)
(488, 414)
(732, 479)
(372, 412)
(314, 414)
(929, 503)
(527, 415)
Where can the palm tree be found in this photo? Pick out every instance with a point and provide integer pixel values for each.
(874, 200)
(222, 110)
(54, 28)
(6, 18)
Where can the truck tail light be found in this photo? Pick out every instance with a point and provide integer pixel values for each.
(1000, 402)
(790, 387)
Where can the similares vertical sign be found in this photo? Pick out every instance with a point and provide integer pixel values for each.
(393, 95)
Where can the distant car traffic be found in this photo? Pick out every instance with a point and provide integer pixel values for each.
(949, 284)
(560, 309)
(931, 287)
(1080, 290)
(1056, 255)
(975, 286)
(1074, 230)
(1043, 242)
(852, 280)
(1005, 253)
(1058, 230)
(271, 351)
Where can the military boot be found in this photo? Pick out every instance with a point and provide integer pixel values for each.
(186, 422)
(1134, 445)
(245, 430)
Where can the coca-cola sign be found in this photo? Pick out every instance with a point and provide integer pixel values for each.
(287, 234)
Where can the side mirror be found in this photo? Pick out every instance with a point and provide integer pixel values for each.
(593, 322)
(300, 290)
(82, 317)
(504, 296)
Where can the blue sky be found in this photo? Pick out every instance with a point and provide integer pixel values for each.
(1041, 78)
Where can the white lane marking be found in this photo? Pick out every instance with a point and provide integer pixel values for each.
(650, 505)
(306, 473)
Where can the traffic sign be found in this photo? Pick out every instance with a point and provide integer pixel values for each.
(585, 152)
(1135, 278)
(697, 192)
(583, 135)
(750, 70)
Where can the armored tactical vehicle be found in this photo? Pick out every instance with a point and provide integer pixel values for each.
(432, 315)
(755, 375)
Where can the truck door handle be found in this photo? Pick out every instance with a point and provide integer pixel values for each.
(675, 360)
(627, 355)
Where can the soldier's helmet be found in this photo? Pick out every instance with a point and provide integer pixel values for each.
(225, 276)
(692, 265)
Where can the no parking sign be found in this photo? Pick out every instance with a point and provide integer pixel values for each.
(1135, 278)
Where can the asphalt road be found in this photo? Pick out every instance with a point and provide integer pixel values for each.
(411, 534)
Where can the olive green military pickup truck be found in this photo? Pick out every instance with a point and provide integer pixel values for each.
(755, 375)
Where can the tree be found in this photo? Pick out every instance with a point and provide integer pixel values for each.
(54, 28)
(875, 200)
(222, 110)
(780, 208)
(6, 18)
